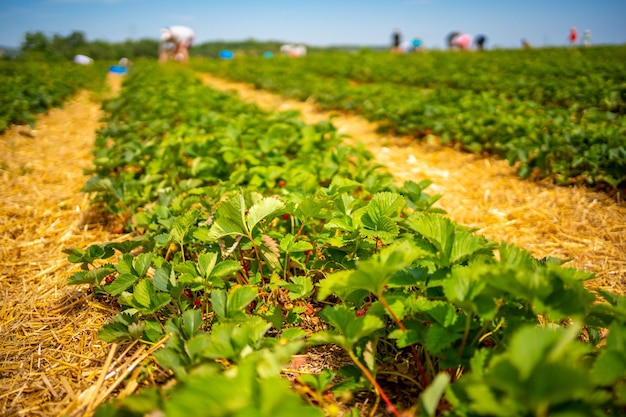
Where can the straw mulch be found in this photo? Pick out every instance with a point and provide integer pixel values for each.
(485, 194)
(51, 362)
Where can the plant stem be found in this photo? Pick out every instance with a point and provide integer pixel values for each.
(395, 318)
(258, 258)
(243, 265)
(286, 267)
(468, 323)
(372, 380)
(297, 235)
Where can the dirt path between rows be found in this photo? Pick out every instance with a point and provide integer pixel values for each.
(49, 353)
(487, 195)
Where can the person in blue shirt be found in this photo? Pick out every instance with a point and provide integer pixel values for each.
(480, 40)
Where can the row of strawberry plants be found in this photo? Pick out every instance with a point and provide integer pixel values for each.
(589, 77)
(249, 226)
(574, 144)
(31, 88)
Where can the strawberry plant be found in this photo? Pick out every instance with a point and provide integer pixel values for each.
(31, 88)
(555, 112)
(258, 237)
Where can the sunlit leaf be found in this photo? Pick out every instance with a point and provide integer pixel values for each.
(264, 209)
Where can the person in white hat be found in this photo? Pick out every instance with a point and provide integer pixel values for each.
(83, 60)
(175, 43)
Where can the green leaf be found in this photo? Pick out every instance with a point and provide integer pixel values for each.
(312, 207)
(182, 225)
(114, 332)
(441, 312)
(92, 253)
(438, 230)
(327, 337)
(240, 297)
(135, 330)
(143, 293)
(430, 397)
(289, 245)
(142, 263)
(385, 205)
(415, 334)
(75, 255)
(125, 246)
(226, 269)
(371, 275)
(343, 223)
(320, 382)
(464, 288)
(609, 367)
(121, 284)
(220, 229)
(192, 319)
(383, 228)
(533, 346)
(79, 278)
(206, 263)
(233, 304)
(264, 209)
(197, 345)
(125, 265)
(146, 299)
(98, 184)
(351, 327)
(438, 338)
(301, 287)
(169, 359)
(161, 279)
(93, 276)
(219, 301)
(466, 245)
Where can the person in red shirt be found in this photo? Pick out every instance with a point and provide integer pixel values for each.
(573, 36)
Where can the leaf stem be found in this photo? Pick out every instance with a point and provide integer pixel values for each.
(372, 380)
(468, 323)
(244, 266)
(259, 260)
(395, 318)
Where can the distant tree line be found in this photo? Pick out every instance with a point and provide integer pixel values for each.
(39, 46)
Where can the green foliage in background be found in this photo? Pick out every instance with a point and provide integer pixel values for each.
(554, 112)
(31, 88)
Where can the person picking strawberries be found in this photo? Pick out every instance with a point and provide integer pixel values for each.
(176, 41)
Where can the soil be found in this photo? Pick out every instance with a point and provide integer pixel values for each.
(51, 362)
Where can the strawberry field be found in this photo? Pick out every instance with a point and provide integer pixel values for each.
(255, 241)
(31, 88)
(554, 112)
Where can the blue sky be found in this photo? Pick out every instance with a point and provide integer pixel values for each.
(320, 22)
